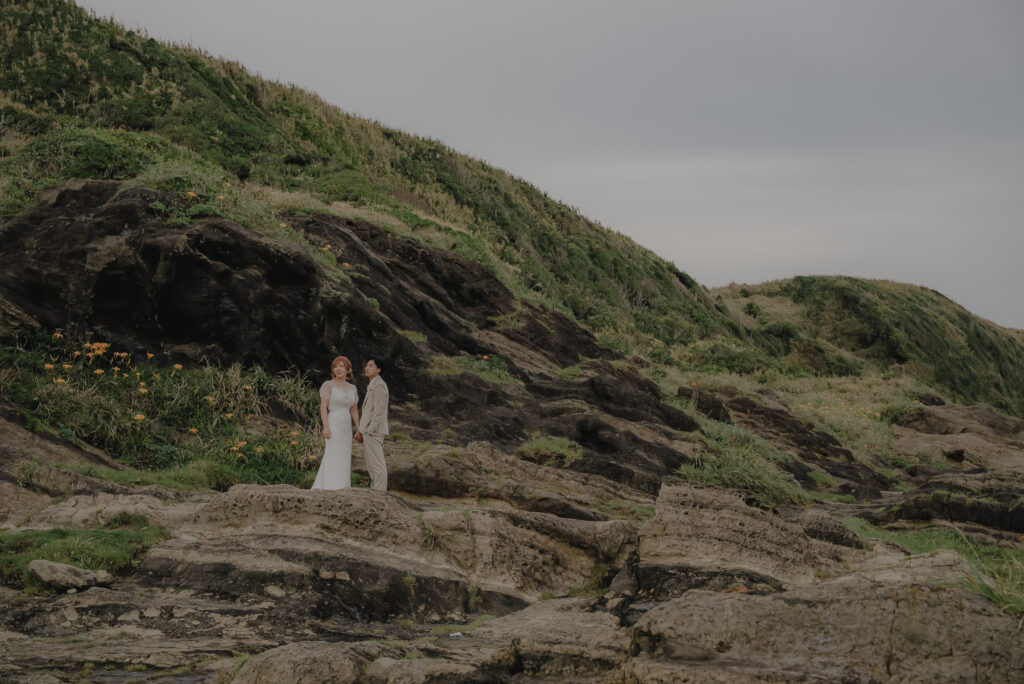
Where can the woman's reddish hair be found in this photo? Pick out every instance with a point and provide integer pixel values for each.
(348, 364)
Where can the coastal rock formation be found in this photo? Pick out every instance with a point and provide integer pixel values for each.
(484, 561)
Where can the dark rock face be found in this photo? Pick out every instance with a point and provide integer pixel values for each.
(437, 293)
(88, 258)
(621, 393)
(92, 258)
(942, 505)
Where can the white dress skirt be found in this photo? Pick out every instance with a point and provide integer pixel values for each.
(336, 467)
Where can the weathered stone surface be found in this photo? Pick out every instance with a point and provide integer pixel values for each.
(909, 624)
(481, 471)
(312, 663)
(961, 437)
(820, 525)
(702, 528)
(522, 552)
(63, 576)
(166, 508)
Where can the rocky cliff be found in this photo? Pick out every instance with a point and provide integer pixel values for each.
(485, 561)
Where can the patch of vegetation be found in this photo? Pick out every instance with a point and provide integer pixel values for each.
(487, 367)
(413, 336)
(627, 509)
(596, 584)
(183, 427)
(739, 460)
(441, 630)
(997, 573)
(568, 373)
(113, 548)
(557, 452)
(822, 480)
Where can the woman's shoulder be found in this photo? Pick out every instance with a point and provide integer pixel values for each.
(325, 389)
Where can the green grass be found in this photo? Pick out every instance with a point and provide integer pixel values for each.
(995, 572)
(594, 585)
(737, 459)
(489, 368)
(113, 548)
(557, 452)
(183, 427)
(627, 509)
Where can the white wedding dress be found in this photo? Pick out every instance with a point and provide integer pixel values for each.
(336, 467)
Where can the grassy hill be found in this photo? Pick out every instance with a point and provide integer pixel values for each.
(839, 326)
(83, 97)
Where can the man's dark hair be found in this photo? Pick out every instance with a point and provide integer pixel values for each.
(376, 360)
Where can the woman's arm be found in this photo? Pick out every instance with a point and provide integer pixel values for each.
(323, 418)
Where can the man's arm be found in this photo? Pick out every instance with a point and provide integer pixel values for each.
(378, 401)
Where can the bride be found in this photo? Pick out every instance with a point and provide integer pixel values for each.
(339, 409)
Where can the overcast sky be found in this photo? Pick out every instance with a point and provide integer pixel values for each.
(744, 140)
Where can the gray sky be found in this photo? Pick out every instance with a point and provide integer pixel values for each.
(744, 140)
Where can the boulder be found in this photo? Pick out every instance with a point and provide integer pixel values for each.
(62, 576)
(911, 623)
(312, 662)
(700, 535)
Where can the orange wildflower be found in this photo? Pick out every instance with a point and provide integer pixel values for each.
(48, 366)
(190, 194)
(139, 416)
(98, 371)
(150, 355)
(193, 430)
(57, 336)
(143, 391)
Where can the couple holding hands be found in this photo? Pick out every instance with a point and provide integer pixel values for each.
(339, 410)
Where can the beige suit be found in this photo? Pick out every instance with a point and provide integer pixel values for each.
(373, 423)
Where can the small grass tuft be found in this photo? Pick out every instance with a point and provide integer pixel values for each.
(557, 452)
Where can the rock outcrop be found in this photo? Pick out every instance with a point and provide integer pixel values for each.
(62, 576)
(482, 564)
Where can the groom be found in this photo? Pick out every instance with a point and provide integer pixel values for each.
(373, 425)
